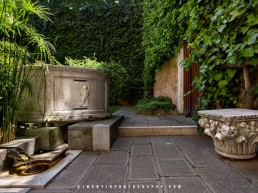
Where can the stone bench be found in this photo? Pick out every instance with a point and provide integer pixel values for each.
(234, 131)
(94, 135)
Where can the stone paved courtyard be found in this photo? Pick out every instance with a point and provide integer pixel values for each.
(155, 164)
(166, 164)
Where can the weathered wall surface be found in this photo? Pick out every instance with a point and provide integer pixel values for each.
(166, 79)
(169, 81)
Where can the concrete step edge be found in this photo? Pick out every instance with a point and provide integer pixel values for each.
(158, 131)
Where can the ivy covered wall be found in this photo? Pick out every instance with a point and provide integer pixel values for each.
(222, 39)
(106, 30)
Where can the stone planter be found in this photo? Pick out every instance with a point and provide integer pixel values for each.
(234, 131)
(64, 94)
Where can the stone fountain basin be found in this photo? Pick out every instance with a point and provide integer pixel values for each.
(40, 180)
(64, 94)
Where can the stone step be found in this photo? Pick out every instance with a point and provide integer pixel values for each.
(125, 131)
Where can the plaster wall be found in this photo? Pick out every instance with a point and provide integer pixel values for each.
(169, 80)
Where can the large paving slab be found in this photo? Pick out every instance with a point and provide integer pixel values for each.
(169, 168)
(199, 142)
(170, 122)
(142, 168)
(170, 152)
(247, 168)
(224, 179)
(184, 185)
(201, 158)
(152, 118)
(180, 119)
(144, 187)
(161, 141)
(141, 150)
(105, 176)
(155, 123)
(255, 182)
(70, 176)
(141, 140)
(113, 158)
(122, 143)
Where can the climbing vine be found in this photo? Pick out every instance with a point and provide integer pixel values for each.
(162, 32)
(222, 39)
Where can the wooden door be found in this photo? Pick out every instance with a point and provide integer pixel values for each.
(190, 95)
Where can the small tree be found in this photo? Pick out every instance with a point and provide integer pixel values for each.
(20, 46)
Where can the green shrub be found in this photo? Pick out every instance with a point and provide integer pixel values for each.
(155, 103)
(115, 71)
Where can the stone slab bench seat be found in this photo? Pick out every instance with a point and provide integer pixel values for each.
(234, 131)
(94, 135)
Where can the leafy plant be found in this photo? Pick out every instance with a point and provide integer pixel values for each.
(155, 103)
(20, 45)
(115, 71)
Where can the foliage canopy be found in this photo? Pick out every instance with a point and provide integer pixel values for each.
(222, 39)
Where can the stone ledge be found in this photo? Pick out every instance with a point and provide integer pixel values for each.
(94, 135)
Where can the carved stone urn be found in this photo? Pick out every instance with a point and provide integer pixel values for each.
(234, 131)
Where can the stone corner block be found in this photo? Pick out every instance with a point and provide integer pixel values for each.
(50, 137)
(101, 137)
(30, 144)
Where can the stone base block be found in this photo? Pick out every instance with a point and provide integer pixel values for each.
(50, 137)
(94, 135)
(30, 145)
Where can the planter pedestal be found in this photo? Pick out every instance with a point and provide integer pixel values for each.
(234, 131)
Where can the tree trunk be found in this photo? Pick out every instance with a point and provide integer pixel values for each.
(248, 89)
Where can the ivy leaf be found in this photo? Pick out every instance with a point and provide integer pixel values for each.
(244, 29)
(252, 39)
(207, 40)
(254, 61)
(222, 83)
(221, 28)
(248, 52)
(250, 18)
(217, 76)
(213, 18)
(231, 73)
(255, 2)
(232, 59)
